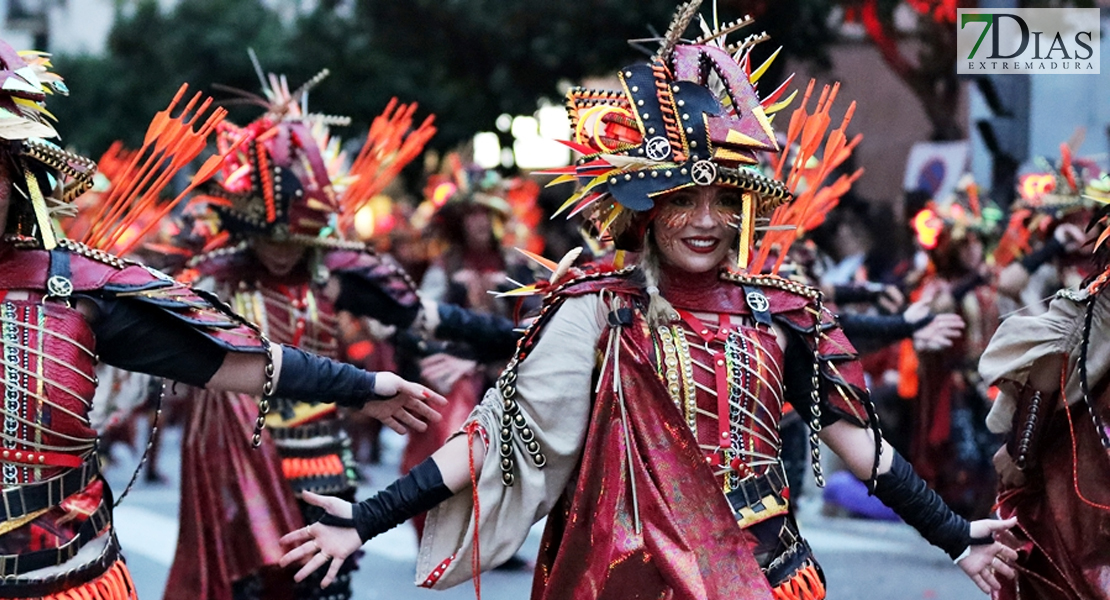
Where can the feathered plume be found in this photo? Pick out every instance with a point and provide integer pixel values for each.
(171, 142)
(816, 199)
(391, 144)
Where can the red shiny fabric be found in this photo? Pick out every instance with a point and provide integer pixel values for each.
(1067, 541)
(947, 383)
(689, 546)
(235, 503)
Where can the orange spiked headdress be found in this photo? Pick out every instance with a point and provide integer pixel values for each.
(691, 116)
(282, 178)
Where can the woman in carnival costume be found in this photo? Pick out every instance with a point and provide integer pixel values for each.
(949, 446)
(640, 412)
(281, 198)
(1053, 408)
(65, 305)
(1044, 247)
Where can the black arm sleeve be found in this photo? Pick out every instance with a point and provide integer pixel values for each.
(906, 494)
(797, 378)
(492, 337)
(884, 329)
(137, 337)
(313, 378)
(419, 491)
(855, 293)
(366, 298)
(1050, 250)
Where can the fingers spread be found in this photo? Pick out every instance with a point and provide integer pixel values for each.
(299, 553)
(392, 423)
(1004, 569)
(1007, 553)
(295, 537)
(333, 572)
(316, 499)
(978, 579)
(991, 580)
(410, 420)
(424, 411)
(316, 562)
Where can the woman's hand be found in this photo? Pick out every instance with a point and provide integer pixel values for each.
(984, 563)
(443, 371)
(319, 543)
(410, 406)
(940, 333)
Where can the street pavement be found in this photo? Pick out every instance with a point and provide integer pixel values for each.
(862, 559)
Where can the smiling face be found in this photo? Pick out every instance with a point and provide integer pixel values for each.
(697, 226)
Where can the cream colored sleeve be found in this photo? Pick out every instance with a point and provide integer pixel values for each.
(554, 393)
(1021, 341)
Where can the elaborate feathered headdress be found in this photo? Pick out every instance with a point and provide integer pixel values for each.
(955, 217)
(283, 178)
(43, 174)
(692, 116)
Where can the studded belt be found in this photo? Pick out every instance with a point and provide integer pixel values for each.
(326, 428)
(21, 564)
(23, 500)
(11, 587)
(760, 497)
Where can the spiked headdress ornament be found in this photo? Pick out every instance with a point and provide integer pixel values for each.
(691, 116)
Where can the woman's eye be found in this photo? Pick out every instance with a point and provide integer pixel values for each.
(731, 201)
(682, 201)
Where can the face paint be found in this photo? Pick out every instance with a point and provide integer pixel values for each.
(696, 227)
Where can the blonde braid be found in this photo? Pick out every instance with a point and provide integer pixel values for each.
(660, 312)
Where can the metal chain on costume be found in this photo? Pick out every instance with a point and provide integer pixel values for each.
(1084, 384)
(733, 357)
(267, 392)
(151, 439)
(815, 401)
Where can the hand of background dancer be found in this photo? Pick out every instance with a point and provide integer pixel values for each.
(940, 333)
(411, 407)
(318, 544)
(1071, 236)
(984, 563)
(442, 370)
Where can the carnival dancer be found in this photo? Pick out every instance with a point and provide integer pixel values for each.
(640, 413)
(1053, 407)
(950, 447)
(64, 306)
(467, 213)
(1044, 248)
(281, 199)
